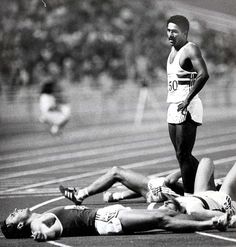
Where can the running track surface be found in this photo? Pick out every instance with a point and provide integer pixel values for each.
(33, 164)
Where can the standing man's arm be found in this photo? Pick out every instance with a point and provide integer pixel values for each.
(194, 54)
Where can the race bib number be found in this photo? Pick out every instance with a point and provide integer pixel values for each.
(172, 83)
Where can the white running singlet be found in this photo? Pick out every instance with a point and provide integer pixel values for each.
(180, 81)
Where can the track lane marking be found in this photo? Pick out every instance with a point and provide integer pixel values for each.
(165, 173)
(115, 157)
(58, 244)
(95, 173)
(162, 140)
(86, 145)
(46, 202)
(136, 164)
(86, 153)
(216, 236)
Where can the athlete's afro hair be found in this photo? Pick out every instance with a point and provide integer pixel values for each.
(180, 21)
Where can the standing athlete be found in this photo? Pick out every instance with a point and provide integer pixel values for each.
(187, 74)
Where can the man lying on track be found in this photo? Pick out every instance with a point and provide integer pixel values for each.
(116, 219)
(206, 201)
(137, 184)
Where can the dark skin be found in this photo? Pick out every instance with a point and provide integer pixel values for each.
(191, 60)
(183, 135)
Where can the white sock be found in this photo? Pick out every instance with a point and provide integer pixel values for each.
(83, 193)
(118, 195)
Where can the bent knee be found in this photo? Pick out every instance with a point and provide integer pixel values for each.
(116, 171)
(205, 160)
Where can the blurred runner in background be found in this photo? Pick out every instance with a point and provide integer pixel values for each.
(54, 109)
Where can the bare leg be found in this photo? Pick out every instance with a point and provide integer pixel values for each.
(183, 138)
(135, 182)
(143, 220)
(132, 180)
(204, 179)
(229, 184)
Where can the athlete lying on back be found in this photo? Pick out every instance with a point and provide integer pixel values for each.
(137, 184)
(80, 221)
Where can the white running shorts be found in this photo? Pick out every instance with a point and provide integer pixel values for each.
(107, 222)
(195, 109)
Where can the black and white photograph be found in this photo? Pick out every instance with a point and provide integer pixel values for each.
(117, 123)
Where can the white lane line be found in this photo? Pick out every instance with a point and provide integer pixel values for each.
(117, 157)
(85, 135)
(93, 150)
(165, 173)
(86, 145)
(30, 186)
(88, 162)
(89, 174)
(58, 244)
(216, 236)
(118, 147)
(224, 160)
(87, 153)
(124, 147)
(46, 202)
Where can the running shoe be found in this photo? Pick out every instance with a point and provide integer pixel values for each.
(70, 193)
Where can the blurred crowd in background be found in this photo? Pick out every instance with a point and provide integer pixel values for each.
(97, 42)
